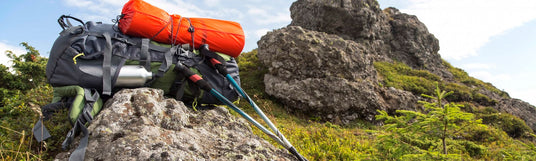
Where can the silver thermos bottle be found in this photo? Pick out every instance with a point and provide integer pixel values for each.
(133, 76)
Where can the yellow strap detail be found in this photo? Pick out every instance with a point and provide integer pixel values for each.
(194, 104)
(76, 56)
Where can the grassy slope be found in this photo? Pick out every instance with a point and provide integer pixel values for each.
(361, 140)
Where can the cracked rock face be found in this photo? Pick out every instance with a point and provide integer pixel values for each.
(141, 124)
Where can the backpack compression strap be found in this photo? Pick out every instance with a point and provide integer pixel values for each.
(91, 97)
(106, 66)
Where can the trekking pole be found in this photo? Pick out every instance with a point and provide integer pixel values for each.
(287, 145)
(207, 87)
(221, 69)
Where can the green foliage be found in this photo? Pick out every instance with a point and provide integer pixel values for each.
(23, 89)
(401, 76)
(419, 133)
(251, 71)
(513, 126)
(465, 88)
(463, 77)
(29, 70)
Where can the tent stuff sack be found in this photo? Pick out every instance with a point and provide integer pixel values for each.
(142, 19)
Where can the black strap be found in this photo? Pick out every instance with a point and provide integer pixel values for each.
(167, 61)
(177, 89)
(64, 18)
(40, 132)
(90, 96)
(164, 27)
(191, 29)
(174, 35)
(80, 151)
(51, 108)
(145, 58)
(106, 66)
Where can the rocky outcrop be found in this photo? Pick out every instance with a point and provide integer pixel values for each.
(349, 19)
(322, 63)
(325, 74)
(519, 108)
(389, 33)
(413, 45)
(140, 124)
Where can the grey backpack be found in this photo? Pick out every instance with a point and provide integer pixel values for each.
(95, 59)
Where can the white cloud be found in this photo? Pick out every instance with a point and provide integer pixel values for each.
(526, 94)
(477, 66)
(463, 26)
(264, 17)
(212, 3)
(178, 7)
(261, 32)
(96, 6)
(96, 10)
(486, 75)
(17, 50)
(105, 10)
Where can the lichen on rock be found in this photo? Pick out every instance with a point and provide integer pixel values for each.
(141, 124)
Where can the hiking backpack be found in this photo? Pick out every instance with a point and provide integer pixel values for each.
(89, 62)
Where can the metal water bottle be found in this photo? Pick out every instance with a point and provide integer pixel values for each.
(133, 76)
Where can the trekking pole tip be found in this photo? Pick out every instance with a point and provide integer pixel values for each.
(295, 153)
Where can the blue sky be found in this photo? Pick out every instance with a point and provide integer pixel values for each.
(493, 40)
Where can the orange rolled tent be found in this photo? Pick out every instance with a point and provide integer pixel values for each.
(142, 19)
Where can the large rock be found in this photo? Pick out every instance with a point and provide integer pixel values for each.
(390, 33)
(350, 19)
(140, 124)
(326, 75)
(413, 45)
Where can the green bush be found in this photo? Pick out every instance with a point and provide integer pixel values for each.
(512, 125)
(465, 88)
(401, 76)
(22, 90)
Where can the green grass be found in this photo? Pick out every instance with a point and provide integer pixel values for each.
(361, 140)
(465, 88)
(464, 78)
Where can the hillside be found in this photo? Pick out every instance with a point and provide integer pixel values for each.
(345, 60)
(343, 81)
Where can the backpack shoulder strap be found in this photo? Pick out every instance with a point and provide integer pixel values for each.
(90, 108)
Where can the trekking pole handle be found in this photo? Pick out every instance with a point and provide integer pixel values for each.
(198, 80)
(204, 49)
(219, 66)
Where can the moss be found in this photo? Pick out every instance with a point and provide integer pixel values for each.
(461, 93)
(512, 125)
(462, 77)
(252, 73)
(465, 88)
(484, 100)
(401, 76)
